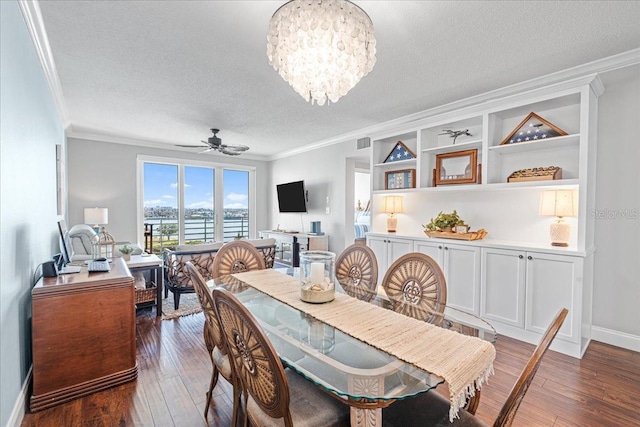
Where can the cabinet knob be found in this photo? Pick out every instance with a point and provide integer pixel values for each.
(446, 248)
(520, 256)
(439, 247)
(529, 257)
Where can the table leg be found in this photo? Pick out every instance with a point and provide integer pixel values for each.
(366, 417)
(159, 287)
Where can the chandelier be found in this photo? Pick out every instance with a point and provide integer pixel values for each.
(322, 48)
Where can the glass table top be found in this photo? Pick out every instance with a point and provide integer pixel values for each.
(336, 361)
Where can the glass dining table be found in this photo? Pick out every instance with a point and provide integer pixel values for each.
(365, 377)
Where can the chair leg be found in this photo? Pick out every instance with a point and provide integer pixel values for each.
(212, 385)
(166, 290)
(176, 300)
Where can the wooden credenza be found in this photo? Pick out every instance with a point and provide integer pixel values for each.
(83, 334)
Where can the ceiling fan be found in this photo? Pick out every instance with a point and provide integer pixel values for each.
(215, 144)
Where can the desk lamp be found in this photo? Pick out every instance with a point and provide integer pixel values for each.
(559, 203)
(95, 217)
(392, 205)
(104, 241)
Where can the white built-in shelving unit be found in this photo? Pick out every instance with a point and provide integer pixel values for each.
(517, 285)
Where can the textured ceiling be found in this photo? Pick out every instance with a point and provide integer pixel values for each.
(167, 71)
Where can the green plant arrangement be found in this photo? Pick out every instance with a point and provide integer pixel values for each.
(126, 249)
(444, 220)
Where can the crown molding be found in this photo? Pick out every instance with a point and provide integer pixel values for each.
(116, 139)
(30, 10)
(587, 72)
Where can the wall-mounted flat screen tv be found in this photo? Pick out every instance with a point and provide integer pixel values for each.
(292, 197)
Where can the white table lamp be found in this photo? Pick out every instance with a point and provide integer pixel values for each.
(105, 243)
(96, 217)
(559, 203)
(392, 205)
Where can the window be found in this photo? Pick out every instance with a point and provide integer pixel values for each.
(236, 206)
(182, 202)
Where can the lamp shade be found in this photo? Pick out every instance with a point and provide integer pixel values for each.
(392, 204)
(96, 215)
(561, 203)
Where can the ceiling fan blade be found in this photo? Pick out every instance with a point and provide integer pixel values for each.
(206, 150)
(230, 152)
(188, 146)
(239, 148)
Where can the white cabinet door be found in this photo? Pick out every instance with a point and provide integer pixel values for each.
(434, 250)
(502, 286)
(461, 267)
(554, 282)
(387, 250)
(379, 246)
(462, 272)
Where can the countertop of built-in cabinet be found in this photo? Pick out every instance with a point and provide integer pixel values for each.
(493, 243)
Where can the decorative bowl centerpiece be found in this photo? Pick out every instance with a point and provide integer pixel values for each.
(317, 276)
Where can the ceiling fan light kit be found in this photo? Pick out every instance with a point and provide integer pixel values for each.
(322, 48)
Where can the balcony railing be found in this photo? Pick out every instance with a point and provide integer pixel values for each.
(165, 231)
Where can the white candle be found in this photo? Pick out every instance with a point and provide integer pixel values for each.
(317, 273)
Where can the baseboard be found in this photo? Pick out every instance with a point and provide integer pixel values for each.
(619, 339)
(19, 408)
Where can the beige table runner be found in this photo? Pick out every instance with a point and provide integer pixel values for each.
(464, 362)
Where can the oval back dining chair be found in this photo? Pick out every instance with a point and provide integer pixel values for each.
(272, 395)
(357, 272)
(416, 287)
(432, 409)
(237, 257)
(212, 335)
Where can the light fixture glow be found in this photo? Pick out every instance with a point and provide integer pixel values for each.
(392, 205)
(322, 48)
(559, 203)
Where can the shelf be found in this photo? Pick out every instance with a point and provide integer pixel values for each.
(542, 144)
(558, 183)
(453, 148)
(407, 162)
(499, 186)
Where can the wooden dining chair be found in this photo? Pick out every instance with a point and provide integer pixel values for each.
(432, 409)
(416, 287)
(237, 257)
(272, 395)
(357, 272)
(212, 335)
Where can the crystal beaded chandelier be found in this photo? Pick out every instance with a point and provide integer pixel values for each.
(322, 48)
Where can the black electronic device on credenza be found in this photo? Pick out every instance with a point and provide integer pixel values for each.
(292, 197)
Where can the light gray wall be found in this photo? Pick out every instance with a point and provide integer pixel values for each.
(327, 172)
(29, 132)
(617, 235)
(103, 174)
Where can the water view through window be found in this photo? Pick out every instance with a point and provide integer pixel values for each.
(189, 216)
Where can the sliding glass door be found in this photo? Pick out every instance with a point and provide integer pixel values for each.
(183, 202)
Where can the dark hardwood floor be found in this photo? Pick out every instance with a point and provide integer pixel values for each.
(602, 389)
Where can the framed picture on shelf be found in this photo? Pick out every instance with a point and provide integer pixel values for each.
(400, 179)
(459, 167)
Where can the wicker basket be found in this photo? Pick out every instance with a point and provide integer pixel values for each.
(145, 295)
